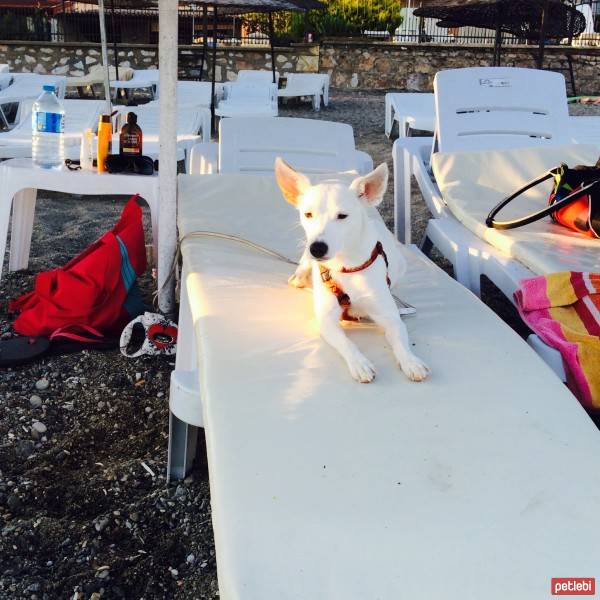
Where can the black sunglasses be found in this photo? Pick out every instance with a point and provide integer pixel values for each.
(140, 165)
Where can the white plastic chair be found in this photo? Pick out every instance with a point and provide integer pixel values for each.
(250, 145)
(304, 84)
(246, 100)
(258, 76)
(411, 110)
(145, 79)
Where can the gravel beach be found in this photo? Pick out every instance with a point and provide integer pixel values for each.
(85, 511)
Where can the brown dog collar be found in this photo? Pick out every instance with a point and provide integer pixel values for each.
(337, 290)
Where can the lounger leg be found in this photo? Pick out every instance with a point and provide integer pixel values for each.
(4, 219)
(23, 211)
(183, 440)
(389, 118)
(426, 246)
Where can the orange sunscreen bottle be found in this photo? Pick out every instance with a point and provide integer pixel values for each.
(104, 141)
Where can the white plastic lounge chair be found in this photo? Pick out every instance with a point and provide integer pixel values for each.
(304, 84)
(29, 85)
(145, 79)
(481, 107)
(250, 145)
(248, 100)
(411, 111)
(388, 490)
(196, 94)
(257, 76)
(79, 115)
(96, 77)
(499, 108)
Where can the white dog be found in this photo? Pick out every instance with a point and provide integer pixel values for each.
(354, 260)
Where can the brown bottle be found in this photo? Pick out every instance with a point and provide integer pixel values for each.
(130, 141)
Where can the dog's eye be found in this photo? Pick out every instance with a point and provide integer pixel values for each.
(308, 215)
(342, 216)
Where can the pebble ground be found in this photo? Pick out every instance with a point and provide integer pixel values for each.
(85, 510)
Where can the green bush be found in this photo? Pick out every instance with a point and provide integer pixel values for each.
(338, 19)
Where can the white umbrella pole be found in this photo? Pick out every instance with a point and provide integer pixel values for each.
(105, 55)
(167, 229)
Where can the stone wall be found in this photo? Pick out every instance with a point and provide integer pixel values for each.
(351, 64)
(373, 65)
(75, 59)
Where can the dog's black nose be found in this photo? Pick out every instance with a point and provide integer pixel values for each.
(318, 249)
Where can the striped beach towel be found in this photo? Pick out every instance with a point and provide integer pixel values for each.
(564, 310)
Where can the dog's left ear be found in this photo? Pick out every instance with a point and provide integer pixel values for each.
(371, 188)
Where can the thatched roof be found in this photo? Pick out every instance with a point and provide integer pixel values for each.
(521, 18)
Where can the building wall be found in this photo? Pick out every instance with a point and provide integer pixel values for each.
(352, 65)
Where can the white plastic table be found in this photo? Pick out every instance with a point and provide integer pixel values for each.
(412, 110)
(20, 179)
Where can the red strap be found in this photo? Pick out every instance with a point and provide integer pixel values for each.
(63, 333)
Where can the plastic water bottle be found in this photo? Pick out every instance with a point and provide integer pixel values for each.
(48, 126)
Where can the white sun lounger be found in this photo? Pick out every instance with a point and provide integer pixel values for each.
(144, 79)
(475, 484)
(305, 84)
(257, 76)
(410, 110)
(95, 76)
(495, 108)
(248, 100)
(79, 115)
(511, 108)
(250, 145)
(29, 85)
(194, 93)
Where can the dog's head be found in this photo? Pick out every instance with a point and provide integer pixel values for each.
(332, 213)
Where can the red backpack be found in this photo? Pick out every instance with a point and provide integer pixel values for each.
(95, 291)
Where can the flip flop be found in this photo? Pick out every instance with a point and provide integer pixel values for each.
(21, 350)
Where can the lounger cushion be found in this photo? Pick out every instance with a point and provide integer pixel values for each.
(475, 484)
(473, 182)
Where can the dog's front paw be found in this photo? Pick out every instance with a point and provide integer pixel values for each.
(299, 279)
(414, 368)
(361, 368)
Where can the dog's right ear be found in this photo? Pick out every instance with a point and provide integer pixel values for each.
(291, 183)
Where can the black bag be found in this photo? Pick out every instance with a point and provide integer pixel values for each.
(574, 201)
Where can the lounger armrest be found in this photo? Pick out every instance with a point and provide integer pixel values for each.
(204, 159)
(364, 162)
(426, 181)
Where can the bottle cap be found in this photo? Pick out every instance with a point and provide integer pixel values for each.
(131, 118)
(105, 118)
(49, 88)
